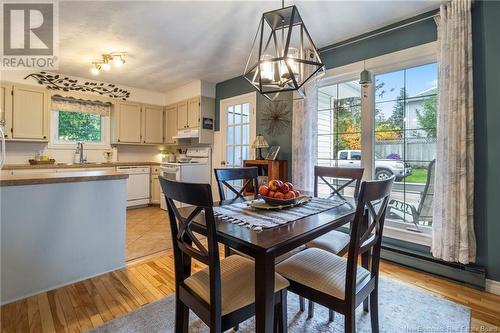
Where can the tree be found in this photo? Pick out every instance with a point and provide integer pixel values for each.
(427, 118)
(395, 121)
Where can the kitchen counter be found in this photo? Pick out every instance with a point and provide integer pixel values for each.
(74, 165)
(64, 177)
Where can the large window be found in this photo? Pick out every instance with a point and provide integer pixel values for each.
(399, 137)
(69, 127)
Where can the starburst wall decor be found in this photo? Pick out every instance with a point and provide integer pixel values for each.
(64, 83)
(276, 117)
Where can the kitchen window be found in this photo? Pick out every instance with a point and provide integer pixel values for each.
(74, 120)
(389, 128)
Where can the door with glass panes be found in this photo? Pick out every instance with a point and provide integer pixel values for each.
(237, 126)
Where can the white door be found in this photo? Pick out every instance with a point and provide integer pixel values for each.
(237, 131)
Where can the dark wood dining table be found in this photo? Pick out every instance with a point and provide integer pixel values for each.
(264, 246)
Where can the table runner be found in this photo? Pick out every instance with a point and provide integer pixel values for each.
(243, 214)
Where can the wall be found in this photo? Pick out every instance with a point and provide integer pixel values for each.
(486, 45)
(192, 89)
(20, 152)
(238, 86)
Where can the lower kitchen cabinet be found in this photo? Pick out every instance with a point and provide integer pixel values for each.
(155, 185)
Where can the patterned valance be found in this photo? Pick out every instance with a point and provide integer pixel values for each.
(71, 104)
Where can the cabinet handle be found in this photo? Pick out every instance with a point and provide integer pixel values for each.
(45, 137)
(118, 140)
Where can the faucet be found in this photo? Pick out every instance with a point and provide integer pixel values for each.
(79, 150)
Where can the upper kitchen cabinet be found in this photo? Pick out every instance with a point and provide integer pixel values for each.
(193, 113)
(170, 123)
(29, 113)
(6, 108)
(182, 115)
(152, 124)
(127, 122)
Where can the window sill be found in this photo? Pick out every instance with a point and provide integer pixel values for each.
(72, 146)
(423, 238)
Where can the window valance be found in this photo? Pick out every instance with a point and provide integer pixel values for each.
(71, 104)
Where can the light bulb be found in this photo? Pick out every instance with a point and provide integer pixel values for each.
(118, 61)
(267, 70)
(106, 66)
(95, 70)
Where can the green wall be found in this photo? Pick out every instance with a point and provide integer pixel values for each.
(486, 43)
(486, 26)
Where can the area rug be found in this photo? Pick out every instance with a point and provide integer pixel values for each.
(402, 308)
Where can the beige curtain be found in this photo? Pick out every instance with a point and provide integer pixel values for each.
(453, 226)
(304, 137)
(71, 104)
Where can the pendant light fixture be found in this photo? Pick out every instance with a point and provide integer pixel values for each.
(365, 76)
(283, 55)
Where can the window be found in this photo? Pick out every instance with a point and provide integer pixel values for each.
(398, 128)
(76, 126)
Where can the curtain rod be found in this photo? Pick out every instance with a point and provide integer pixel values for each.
(431, 15)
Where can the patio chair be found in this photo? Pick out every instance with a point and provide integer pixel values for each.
(424, 210)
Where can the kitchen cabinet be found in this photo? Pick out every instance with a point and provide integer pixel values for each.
(128, 122)
(182, 115)
(29, 113)
(170, 123)
(152, 124)
(155, 185)
(193, 118)
(6, 108)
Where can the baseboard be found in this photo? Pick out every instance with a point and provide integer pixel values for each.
(493, 286)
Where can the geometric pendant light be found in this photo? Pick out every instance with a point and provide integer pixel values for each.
(283, 55)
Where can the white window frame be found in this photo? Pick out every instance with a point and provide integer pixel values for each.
(55, 143)
(412, 57)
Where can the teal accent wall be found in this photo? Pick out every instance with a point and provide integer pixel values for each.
(486, 43)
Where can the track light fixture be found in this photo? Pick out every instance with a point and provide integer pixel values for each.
(117, 58)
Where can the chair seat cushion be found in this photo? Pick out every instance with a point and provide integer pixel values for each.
(278, 259)
(320, 270)
(237, 283)
(334, 242)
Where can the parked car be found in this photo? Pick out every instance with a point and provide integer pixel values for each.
(384, 168)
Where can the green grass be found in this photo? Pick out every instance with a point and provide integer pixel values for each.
(417, 176)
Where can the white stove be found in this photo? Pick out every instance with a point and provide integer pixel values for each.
(197, 170)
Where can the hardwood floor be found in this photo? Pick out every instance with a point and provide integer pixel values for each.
(87, 304)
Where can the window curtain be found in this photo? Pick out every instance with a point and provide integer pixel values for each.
(71, 104)
(453, 236)
(304, 137)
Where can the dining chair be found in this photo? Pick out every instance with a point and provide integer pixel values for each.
(336, 242)
(338, 283)
(249, 175)
(223, 294)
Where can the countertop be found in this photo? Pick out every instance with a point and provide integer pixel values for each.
(75, 165)
(60, 177)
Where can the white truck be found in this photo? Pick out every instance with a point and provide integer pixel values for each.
(384, 168)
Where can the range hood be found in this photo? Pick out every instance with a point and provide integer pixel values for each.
(187, 134)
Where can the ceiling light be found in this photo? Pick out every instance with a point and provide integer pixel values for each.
(118, 61)
(95, 69)
(283, 55)
(106, 66)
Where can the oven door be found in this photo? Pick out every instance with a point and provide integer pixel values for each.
(170, 173)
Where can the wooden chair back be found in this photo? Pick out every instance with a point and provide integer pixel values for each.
(185, 244)
(352, 175)
(249, 175)
(367, 228)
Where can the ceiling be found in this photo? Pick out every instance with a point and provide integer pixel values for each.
(170, 43)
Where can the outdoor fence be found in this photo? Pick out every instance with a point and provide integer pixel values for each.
(411, 149)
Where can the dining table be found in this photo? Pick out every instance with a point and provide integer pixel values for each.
(265, 245)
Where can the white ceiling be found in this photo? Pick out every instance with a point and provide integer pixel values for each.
(171, 43)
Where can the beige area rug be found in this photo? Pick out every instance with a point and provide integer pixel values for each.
(402, 308)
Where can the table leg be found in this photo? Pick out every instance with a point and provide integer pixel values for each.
(264, 293)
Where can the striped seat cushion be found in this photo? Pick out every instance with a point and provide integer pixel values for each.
(320, 270)
(334, 242)
(237, 283)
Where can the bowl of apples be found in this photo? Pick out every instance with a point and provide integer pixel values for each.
(279, 193)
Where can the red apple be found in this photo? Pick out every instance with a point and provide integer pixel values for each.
(279, 182)
(297, 193)
(263, 190)
(284, 188)
(271, 194)
(274, 185)
(290, 186)
(290, 195)
(279, 195)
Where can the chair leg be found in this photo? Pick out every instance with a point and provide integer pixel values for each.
(284, 312)
(227, 251)
(366, 304)
(301, 303)
(310, 309)
(331, 315)
(236, 328)
(350, 321)
(374, 310)
(181, 317)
